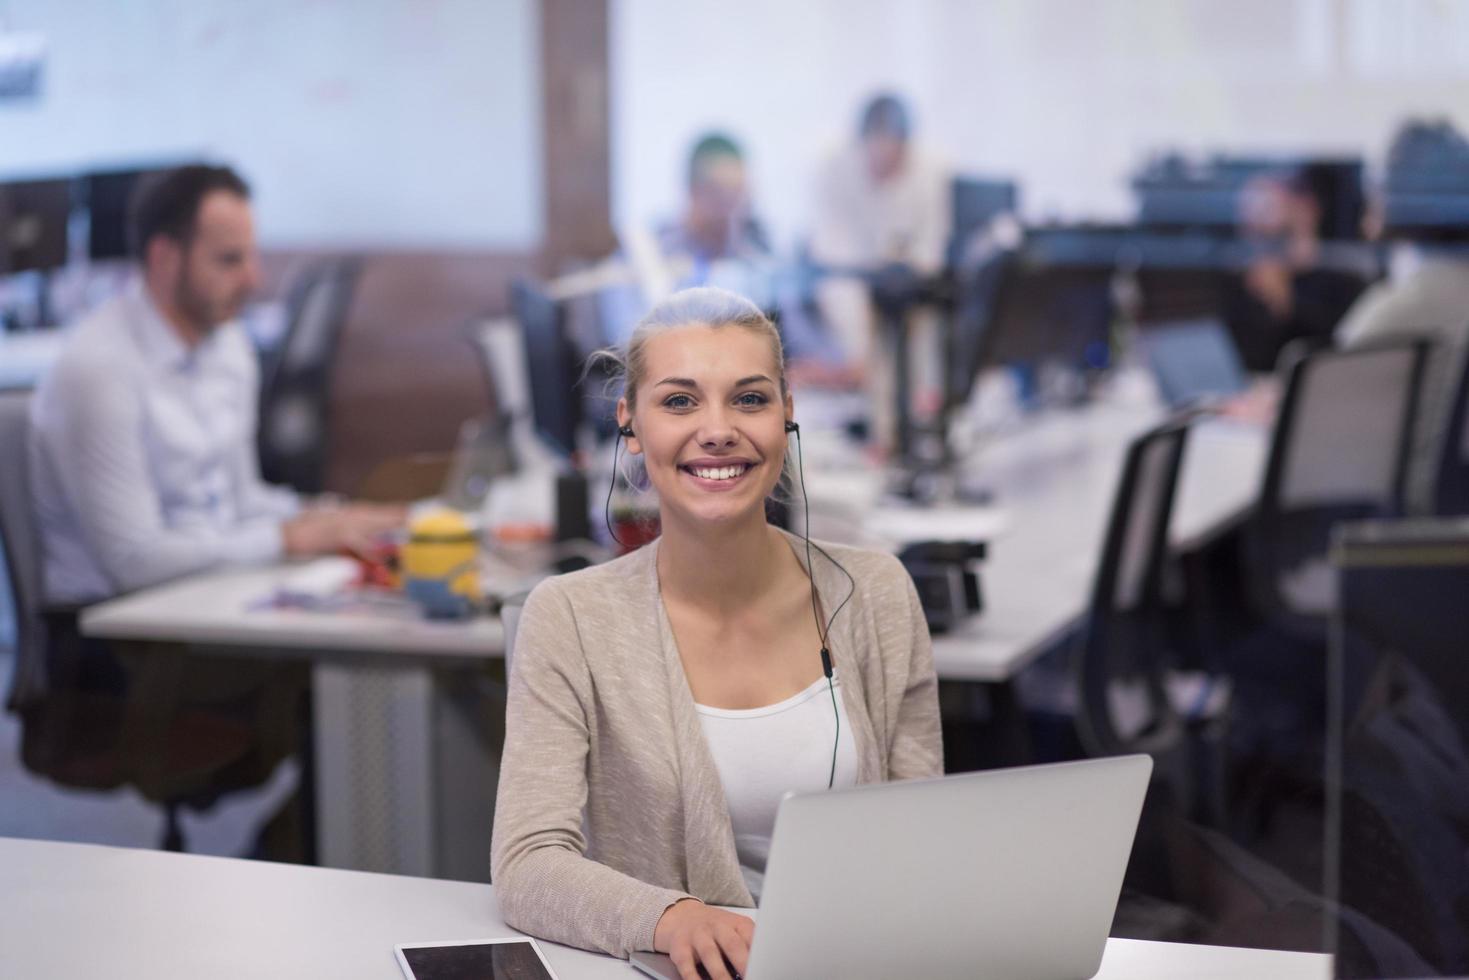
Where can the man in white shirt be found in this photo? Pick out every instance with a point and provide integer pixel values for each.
(1427, 291)
(881, 201)
(143, 433)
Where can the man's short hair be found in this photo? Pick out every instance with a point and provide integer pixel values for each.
(1426, 186)
(168, 203)
(886, 115)
(711, 146)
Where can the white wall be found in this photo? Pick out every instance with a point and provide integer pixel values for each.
(361, 123)
(1067, 95)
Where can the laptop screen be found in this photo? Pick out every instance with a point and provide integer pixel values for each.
(1194, 361)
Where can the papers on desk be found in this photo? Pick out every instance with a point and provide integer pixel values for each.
(320, 578)
(318, 584)
(904, 525)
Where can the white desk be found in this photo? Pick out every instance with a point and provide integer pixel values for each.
(223, 608)
(389, 709)
(26, 357)
(1055, 481)
(79, 910)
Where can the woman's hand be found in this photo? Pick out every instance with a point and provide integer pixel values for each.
(693, 934)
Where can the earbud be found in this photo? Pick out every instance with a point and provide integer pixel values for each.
(625, 431)
(792, 427)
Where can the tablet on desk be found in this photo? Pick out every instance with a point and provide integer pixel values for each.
(514, 958)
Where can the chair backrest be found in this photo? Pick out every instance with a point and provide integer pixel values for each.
(296, 387)
(22, 549)
(1451, 493)
(1123, 641)
(1339, 452)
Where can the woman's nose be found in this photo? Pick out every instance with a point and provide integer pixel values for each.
(716, 431)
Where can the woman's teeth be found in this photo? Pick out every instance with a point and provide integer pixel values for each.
(718, 472)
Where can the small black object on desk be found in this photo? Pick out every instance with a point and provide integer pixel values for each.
(573, 521)
(947, 583)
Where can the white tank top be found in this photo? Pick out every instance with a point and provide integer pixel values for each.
(764, 753)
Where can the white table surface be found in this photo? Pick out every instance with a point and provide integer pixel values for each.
(26, 357)
(224, 608)
(80, 910)
(1053, 482)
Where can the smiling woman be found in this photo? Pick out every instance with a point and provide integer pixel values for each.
(662, 704)
(715, 407)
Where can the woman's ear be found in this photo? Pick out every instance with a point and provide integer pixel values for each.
(625, 429)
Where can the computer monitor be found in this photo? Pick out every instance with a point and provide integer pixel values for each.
(1011, 310)
(551, 363)
(34, 215)
(975, 204)
(108, 197)
(1174, 193)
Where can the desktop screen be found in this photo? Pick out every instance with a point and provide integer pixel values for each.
(108, 196)
(34, 215)
(551, 364)
(1016, 311)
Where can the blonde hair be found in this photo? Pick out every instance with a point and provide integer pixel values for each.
(706, 306)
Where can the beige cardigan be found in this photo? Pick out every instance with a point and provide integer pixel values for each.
(610, 807)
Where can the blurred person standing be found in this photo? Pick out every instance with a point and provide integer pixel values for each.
(880, 202)
(715, 241)
(1285, 294)
(143, 433)
(1424, 208)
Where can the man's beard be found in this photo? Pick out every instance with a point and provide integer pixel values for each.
(206, 317)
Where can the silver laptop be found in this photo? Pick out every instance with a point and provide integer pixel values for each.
(1010, 873)
(1195, 362)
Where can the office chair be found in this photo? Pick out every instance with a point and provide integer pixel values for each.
(1339, 452)
(1129, 697)
(1451, 494)
(21, 550)
(295, 397)
(91, 720)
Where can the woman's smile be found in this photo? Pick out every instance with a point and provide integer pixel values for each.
(717, 474)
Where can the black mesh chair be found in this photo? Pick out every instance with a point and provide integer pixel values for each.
(295, 396)
(21, 552)
(1130, 697)
(1451, 494)
(1339, 452)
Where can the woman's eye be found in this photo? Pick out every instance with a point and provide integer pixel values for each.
(678, 401)
(750, 398)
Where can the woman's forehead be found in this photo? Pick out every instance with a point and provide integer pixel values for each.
(708, 354)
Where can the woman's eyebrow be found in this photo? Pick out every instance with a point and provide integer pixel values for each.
(691, 383)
